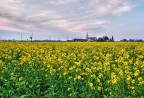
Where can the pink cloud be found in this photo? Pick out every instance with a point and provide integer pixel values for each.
(4, 25)
(78, 27)
(4, 21)
(10, 28)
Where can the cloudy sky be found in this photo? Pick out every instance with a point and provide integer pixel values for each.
(62, 19)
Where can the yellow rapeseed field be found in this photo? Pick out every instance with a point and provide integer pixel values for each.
(71, 70)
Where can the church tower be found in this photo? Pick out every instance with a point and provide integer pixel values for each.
(87, 36)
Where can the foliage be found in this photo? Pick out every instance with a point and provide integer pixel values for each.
(76, 70)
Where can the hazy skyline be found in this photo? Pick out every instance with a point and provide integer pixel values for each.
(57, 19)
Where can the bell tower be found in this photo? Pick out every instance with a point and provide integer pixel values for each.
(87, 36)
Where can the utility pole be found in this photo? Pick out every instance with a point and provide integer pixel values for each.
(50, 38)
(67, 37)
(31, 37)
(21, 36)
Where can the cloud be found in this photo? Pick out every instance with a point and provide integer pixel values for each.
(124, 8)
(59, 15)
(4, 21)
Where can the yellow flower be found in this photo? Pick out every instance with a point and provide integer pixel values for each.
(129, 78)
(65, 73)
(91, 84)
(12, 74)
(20, 78)
(99, 88)
(70, 68)
(78, 77)
(1, 63)
(13, 78)
(30, 86)
(70, 77)
(132, 87)
(133, 81)
(140, 79)
(69, 89)
(114, 81)
(88, 70)
(136, 73)
(78, 63)
(142, 97)
(98, 80)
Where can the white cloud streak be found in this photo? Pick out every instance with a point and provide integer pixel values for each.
(59, 15)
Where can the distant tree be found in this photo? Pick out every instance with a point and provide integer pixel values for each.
(31, 38)
(100, 39)
(124, 40)
(131, 40)
(139, 40)
(112, 39)
(105, 38)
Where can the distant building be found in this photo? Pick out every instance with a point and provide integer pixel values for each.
(132, 40)
(91, 39)
(139, 40)
(87, 36)
(124, 40)
(79, 40)
(69, 40)
(87, 39)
